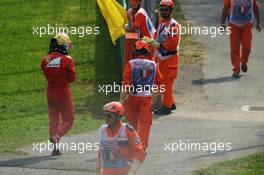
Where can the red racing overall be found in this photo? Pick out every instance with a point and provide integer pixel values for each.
(59, 72)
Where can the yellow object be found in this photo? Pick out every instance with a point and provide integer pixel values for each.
(115, 16)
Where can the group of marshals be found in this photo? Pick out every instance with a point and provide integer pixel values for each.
(156, 61)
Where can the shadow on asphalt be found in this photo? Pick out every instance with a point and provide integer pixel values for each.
(25, 161)
(222, 153)
(162, 116)
(200, 82)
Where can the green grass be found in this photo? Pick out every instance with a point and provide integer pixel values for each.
(191, 51)
(23, 105)
(250, 165)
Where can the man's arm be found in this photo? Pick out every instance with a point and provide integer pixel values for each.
(134, 168)
(138, 21)
(130, 28)
(223, 17)
(126, 83)
(170, 44)
(43, 63)
(257, 16)
(159, 82)
(98, 164)
(137, 149)
(71, 71)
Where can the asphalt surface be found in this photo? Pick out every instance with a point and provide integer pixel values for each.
(209, 111)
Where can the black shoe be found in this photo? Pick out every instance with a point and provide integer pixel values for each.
(236, 75)
(173, 107)
(163, 111)
(55, 139)
(244, 68)
(56, 152)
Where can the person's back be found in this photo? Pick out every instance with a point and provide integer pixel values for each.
(139, 77)
(58, 70)
(143, 76)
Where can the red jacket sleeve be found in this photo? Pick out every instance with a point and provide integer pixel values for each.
(43, 64)
(71, 71)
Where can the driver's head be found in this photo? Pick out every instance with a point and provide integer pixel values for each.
(61, 43)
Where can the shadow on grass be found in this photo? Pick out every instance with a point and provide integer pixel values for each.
(107, 70)
(94, 104)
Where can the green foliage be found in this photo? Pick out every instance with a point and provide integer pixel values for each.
(23, 105)
(250, 165)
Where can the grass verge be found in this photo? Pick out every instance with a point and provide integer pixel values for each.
(191, 51)
(23, 105)
(250, 165)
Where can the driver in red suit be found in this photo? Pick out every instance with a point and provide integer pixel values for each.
(58, 68)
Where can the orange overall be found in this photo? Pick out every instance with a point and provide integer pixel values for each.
(118, 149)
(168, 34)
(141, 22)
(241, 22)
(138, 106)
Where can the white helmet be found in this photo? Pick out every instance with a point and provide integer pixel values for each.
(64, 40)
